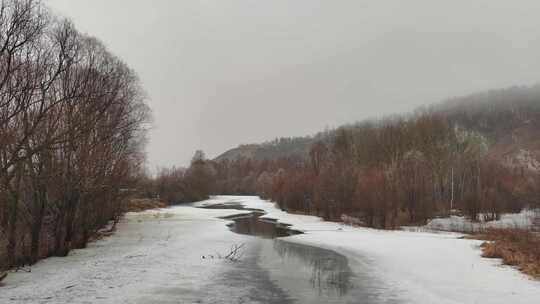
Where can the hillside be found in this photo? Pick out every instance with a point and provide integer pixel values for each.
(278, 148)
(242, 151)
(477, 155)
(508, 118)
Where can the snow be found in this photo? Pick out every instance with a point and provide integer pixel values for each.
(156, 257)
(523, 220)
(425, 267)
(523, 159)
(153, 254)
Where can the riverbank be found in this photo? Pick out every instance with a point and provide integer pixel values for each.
(152, 257)
(172, 255)
(425, 267)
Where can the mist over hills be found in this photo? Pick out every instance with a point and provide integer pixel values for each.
(509, 120)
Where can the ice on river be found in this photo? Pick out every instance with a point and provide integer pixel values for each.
(154, 256)
(421, 267)
(170, 256)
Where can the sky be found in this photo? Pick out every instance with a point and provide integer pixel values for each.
(219, 73)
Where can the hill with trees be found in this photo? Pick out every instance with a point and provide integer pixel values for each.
(280, 147)
(477, 155)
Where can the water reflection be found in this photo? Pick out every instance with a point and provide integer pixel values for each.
(253, 224)
(230, 205)
(304, 274)
(330, 274)
(327, 272)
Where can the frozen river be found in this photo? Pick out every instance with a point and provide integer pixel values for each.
(177, 255)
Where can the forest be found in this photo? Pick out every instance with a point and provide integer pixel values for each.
(472, 156)
(167, 152)
(72, 133)
(73, 123)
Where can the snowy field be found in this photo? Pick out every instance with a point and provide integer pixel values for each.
(526, 219)
(157, 257)
(154, 256)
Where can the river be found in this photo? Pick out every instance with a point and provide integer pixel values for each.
(183, 254)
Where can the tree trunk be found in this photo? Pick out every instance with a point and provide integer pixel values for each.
(12, 231)
(40, 202)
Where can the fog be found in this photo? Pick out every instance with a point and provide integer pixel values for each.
(222, 73)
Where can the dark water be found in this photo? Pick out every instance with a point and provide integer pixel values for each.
(253, 224)
(275, 270)
(279, 271)
(226, 206)
(327, 272)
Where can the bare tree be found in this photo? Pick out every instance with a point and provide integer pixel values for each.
(72, 130)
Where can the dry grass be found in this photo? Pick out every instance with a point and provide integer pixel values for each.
(519, 248)
(138, 205)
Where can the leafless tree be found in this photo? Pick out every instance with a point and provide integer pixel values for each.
(72, 131)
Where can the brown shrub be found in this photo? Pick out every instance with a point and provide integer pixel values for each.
(519, 248)
(138, 205)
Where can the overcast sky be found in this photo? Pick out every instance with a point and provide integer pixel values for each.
(225, 72)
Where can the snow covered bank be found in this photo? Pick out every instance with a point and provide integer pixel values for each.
(154, 257)
(424, 267)
(157, 257)
(527, 219)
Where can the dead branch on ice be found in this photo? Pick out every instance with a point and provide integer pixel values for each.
(234, 254)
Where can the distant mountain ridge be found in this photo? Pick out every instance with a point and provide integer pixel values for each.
(278, 148)
(508, 118)
(242, 151)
